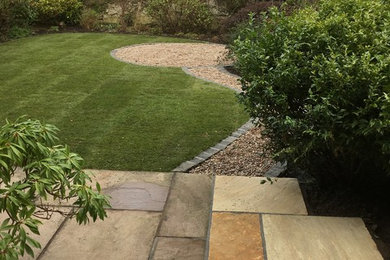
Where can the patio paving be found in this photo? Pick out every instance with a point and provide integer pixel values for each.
(184, 216)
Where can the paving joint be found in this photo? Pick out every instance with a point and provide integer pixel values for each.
(162, 217)
(53, 236)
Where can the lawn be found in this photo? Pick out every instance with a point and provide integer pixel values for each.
(116, 115)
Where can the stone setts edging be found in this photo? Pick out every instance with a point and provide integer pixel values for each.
(275, 170)
(203, 156)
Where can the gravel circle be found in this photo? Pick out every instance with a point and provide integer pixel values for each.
(174, 54)
(214, 74)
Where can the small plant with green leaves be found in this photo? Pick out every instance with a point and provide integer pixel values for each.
(32, 169)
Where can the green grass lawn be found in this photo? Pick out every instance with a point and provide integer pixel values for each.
(116, 115)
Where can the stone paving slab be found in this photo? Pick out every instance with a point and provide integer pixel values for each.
(235, 236)
(129, 190)
(123, 235)
(247, 194)
(307, 237)
(179, 248)
(46, 230)
(188, 207)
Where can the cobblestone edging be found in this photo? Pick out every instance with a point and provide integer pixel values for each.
(203, 156)
(274, 171)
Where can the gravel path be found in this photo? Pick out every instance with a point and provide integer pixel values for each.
(245, 156)
(216, 75)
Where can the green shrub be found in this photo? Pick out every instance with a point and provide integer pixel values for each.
(242, 15)
(16, 16)
(89, 19)
(174, 16)
(232, 6)
(50, 171)
(319, 81)
(54, 12)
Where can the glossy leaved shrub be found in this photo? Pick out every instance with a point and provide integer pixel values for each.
(318, 78)
(34, 169)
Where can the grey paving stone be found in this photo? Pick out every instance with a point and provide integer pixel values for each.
(197, 160)
(123, 235)
(220, 146)
(179, 248)
(212, 151)
(138, 196)
(236, 134)
(204, 155)
(230, 139)
(188, 206)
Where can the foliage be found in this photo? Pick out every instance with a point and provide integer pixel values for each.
(174, 16)
(49, 171)
(16, 32)
(232, 6)
(242, 15)
(89, 19)
(15, 18)
(54, 12)
(318, 79)
(99, 6)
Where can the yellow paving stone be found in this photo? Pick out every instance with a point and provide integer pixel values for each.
(235, 236)
(320, 238)
(123, 235)
(247, 194)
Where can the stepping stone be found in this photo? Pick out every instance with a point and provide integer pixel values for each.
(179, 248)
(235, 236)
(247, 194)
(46, 230)
(304, 237)
(188, 207)
(123, 235)
(129, 190)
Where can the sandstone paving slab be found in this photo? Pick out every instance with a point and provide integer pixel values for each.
(179, 248)
(235, 236)
(129, 190)
(304, 237)
(247, 194)
(123, 235)
(188, 207)
(47, 229)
